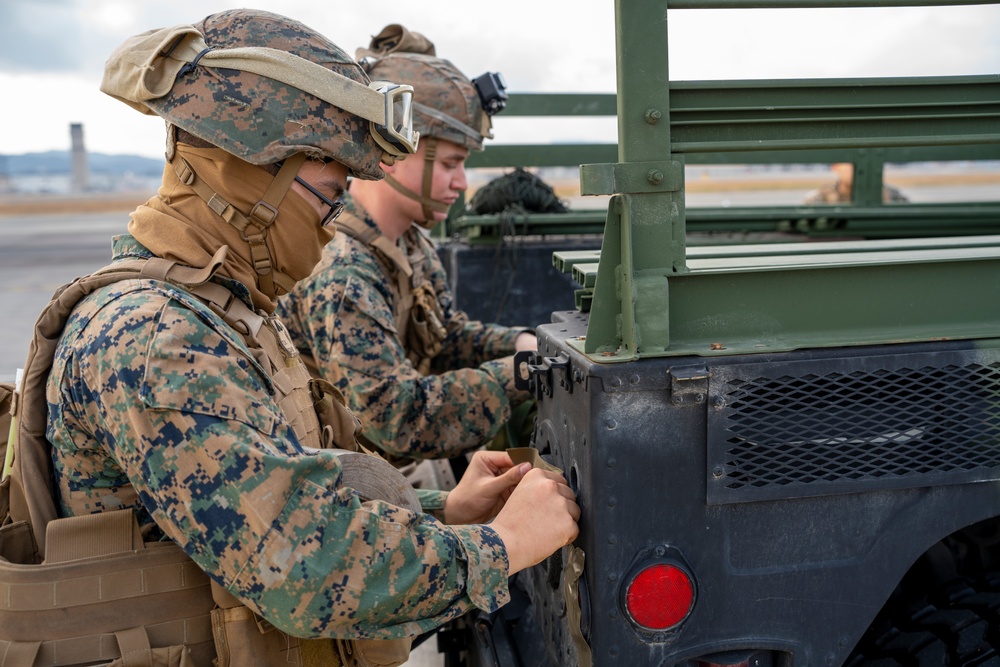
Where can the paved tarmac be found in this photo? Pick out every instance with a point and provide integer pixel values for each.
(41, 252)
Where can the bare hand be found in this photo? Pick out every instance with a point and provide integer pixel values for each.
(484, 488)
(539, 518)
(525, 341)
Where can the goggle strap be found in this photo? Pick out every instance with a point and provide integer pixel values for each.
(307, 76)
(447, 120)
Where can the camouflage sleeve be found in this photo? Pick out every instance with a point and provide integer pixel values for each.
(432, 502)
(347, 321)
(188, 420)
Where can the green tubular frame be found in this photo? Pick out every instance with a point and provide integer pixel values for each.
(651, 297)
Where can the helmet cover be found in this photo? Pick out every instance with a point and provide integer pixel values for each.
(263, 120)
(439, 86)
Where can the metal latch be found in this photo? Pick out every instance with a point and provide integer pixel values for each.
(688, 386)
(538, 374)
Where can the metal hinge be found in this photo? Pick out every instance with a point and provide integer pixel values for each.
(688, 386)
(538, 374)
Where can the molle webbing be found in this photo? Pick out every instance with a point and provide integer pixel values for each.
(98, 575)
(118, 600)
(417, 313)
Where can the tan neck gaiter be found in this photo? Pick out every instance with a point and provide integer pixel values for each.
(178, 225)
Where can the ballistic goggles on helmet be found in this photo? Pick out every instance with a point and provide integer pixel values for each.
(396, 134)
(177, 51)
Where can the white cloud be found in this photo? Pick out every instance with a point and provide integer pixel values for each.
(539, 46)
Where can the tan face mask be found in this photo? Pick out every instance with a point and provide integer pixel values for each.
(178, 224)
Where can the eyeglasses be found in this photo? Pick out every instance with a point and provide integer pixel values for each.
(336, 207)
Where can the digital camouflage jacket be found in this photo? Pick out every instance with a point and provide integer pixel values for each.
(344, 315)
(155, 403)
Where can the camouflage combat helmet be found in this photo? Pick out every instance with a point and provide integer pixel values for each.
(446, 104)
(268, 90)
(246, 105)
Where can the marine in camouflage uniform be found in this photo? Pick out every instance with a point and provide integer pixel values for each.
(157, 403)
(427, 382)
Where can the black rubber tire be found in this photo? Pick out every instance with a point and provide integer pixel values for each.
(955, 627)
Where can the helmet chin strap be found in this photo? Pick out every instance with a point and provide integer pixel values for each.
(428, 206)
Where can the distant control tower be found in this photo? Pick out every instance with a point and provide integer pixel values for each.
(78, 155)
(5, 185)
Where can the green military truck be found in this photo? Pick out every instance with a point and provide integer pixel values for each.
(786, 454)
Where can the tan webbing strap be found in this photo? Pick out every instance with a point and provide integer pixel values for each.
(427, 204)
(134, 646)
(356, 228)
(109, 586)
(395, 260)
(252, 228)
(19, 654)
(398, 187)
(571, 592)
(530, 455)
(103, 647)
(166, 270)
(430, 153)
(89, 535)
(263, 214)
(230, 308)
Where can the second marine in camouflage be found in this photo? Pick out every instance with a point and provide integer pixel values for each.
(427, 382)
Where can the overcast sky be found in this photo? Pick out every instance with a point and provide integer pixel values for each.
(52, 52)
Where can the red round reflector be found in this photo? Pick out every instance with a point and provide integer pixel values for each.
(660, 596)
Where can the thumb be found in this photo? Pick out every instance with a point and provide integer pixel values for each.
(510, 478)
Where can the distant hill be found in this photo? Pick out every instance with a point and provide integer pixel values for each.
(58, 162)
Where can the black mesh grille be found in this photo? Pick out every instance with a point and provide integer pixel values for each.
(834, 431)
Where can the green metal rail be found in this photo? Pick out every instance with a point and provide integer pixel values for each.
(648, 300)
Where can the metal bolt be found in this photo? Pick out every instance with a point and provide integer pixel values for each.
(699, 398)
(617, 382)
(718, 402)
(613, 576)
(653, 116)
(611, 424)
(634, 379)
(612, 462)
(659, 551)
(654, 176)
(717, 471)
(612, 539)
(612, 501)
